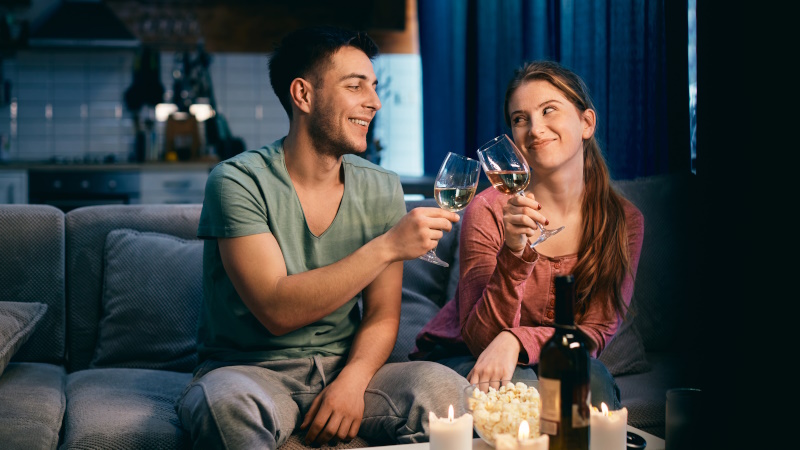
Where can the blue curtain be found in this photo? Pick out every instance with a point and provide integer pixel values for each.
(470, 48)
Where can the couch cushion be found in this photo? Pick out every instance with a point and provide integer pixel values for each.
(625, 354)
(663, 295)
(87, 228)
(17, 323)
(123, 409)
(152, 291)
(33, 403)
(32, 257)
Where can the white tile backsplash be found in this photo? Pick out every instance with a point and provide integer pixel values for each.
(84, 91)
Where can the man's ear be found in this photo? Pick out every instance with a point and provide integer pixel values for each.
(301, 93)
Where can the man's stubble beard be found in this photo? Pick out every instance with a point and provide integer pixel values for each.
(327, 137)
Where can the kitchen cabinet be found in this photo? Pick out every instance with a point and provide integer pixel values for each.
(13, 186)
(173, 186)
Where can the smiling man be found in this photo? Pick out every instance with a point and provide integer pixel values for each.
(296, 233)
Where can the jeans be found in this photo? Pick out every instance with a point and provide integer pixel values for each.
(601, 382)
(259, 405)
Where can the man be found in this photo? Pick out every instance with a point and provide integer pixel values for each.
(296, 233)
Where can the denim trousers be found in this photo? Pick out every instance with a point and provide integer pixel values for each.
(259, 405)
(601, 382)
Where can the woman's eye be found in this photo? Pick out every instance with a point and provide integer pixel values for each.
(548, 110)
(517, 120)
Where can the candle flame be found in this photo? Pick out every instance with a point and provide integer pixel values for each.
(604, 408)
(450, 414)
(524, 431)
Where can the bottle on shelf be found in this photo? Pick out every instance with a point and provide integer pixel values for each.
(564, 376)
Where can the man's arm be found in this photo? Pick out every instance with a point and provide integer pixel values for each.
(338, 409)
(284, 303)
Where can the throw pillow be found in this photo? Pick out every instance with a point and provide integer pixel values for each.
(18, 320)
(625, 354)
(152, 291)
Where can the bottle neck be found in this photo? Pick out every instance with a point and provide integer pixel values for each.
(565, 301)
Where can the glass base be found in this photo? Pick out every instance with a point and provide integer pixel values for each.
(545, 234)
(432, 258)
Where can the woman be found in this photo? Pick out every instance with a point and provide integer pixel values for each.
(503, 310)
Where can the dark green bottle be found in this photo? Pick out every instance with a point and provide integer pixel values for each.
(564, 376)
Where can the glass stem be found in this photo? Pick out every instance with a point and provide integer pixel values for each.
(541, 227)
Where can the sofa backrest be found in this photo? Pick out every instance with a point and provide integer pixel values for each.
(663, 304)
(86, 231)
(32, 270)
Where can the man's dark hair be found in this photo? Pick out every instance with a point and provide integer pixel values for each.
(306, 52)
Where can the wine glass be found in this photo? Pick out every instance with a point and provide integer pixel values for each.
(453, 189)
(509, 173)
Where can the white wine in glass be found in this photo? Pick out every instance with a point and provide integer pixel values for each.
(509, 173)
(453, 189)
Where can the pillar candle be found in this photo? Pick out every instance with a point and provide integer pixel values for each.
(523, 441)
(449, 433)
(608, 429)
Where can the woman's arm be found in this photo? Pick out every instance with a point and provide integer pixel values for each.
(492, 278)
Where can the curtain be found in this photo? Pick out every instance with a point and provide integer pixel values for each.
(470, 48)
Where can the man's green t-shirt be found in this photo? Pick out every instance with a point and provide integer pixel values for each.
(252, 193)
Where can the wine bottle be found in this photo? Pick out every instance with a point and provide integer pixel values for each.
(564, 376)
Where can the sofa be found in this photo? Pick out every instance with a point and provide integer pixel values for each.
(98, 312)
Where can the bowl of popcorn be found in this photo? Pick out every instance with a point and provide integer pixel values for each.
(499, 407)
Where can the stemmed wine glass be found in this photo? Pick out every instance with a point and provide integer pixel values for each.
(509, 173)
(453, 189)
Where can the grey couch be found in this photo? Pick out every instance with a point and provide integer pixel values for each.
(98, 309)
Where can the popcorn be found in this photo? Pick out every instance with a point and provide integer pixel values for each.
(500, 411)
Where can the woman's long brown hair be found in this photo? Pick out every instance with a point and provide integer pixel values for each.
(603, 258)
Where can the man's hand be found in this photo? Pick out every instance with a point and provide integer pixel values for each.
(336, 412)
(498, 361)
(419, 231)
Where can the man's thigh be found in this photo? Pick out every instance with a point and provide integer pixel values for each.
(400, 396)
(266, 396)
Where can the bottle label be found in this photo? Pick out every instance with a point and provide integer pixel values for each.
(550, 395)
(550, 417)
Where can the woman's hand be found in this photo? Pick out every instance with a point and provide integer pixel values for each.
(520, 215)
(497, 361)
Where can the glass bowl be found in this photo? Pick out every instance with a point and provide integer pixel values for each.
(500, 406)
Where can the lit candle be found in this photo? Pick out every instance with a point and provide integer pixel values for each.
(523, 441)
(608, 429)
(450, 433)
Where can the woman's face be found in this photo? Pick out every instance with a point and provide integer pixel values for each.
(548, 128)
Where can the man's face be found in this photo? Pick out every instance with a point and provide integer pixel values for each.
(344, 104)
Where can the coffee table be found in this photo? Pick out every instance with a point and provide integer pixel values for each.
(653, 443)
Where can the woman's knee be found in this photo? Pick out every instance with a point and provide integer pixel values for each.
(604, 387)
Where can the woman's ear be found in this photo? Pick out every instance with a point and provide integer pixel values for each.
(300, 92)
(589, 119)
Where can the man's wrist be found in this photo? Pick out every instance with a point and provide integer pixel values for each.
(357, 375)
